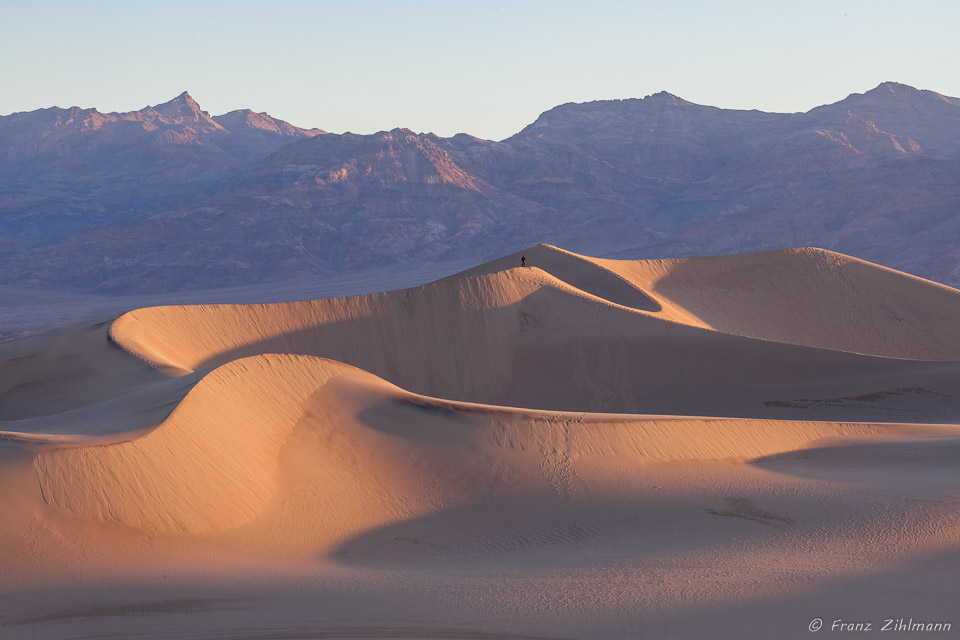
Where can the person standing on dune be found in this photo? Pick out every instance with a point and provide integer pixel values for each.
(523, 260)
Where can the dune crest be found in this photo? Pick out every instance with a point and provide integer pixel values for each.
(513, 329)
(580, 272)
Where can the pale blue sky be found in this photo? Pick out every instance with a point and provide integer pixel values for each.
(486, 68)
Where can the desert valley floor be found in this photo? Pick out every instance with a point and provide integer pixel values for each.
(724, 447)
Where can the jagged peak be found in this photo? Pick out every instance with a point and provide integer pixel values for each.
(183, 100)
(897, 91)
(893, 87)
(668, 98)
(400, 134)
(181, 107)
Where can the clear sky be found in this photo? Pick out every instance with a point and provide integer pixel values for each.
(484, 67)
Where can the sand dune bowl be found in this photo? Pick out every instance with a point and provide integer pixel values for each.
(723, 447)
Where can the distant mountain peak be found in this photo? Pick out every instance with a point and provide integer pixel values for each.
(667, 97)
(598, 113)
(890, 93)
(252, 121)
(887, 89)
(399, 133)
(183, 107)
(894, 86)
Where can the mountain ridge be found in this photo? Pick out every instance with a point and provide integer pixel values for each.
(243, 198)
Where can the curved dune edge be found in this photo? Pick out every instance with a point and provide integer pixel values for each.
(187, 338)
(180, 339)
(806, 297)
(524, 338)
(214, 463)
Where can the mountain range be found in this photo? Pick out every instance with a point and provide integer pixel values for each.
(169, 198)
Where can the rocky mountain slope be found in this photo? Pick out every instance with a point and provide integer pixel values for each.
(69, 171)
(169, 198)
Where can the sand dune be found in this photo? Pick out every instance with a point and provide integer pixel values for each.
(183, 475)
(211, 464)
(514, 329)
(506, 453)
(808, 296)
(802, 296)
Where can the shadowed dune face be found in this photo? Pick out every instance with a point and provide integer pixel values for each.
(526, 447)
(900, 465)
(65, 369)
(582, 273)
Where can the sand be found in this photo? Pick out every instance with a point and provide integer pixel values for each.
(723, 447)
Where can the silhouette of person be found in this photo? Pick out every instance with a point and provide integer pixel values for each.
(523, 260)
